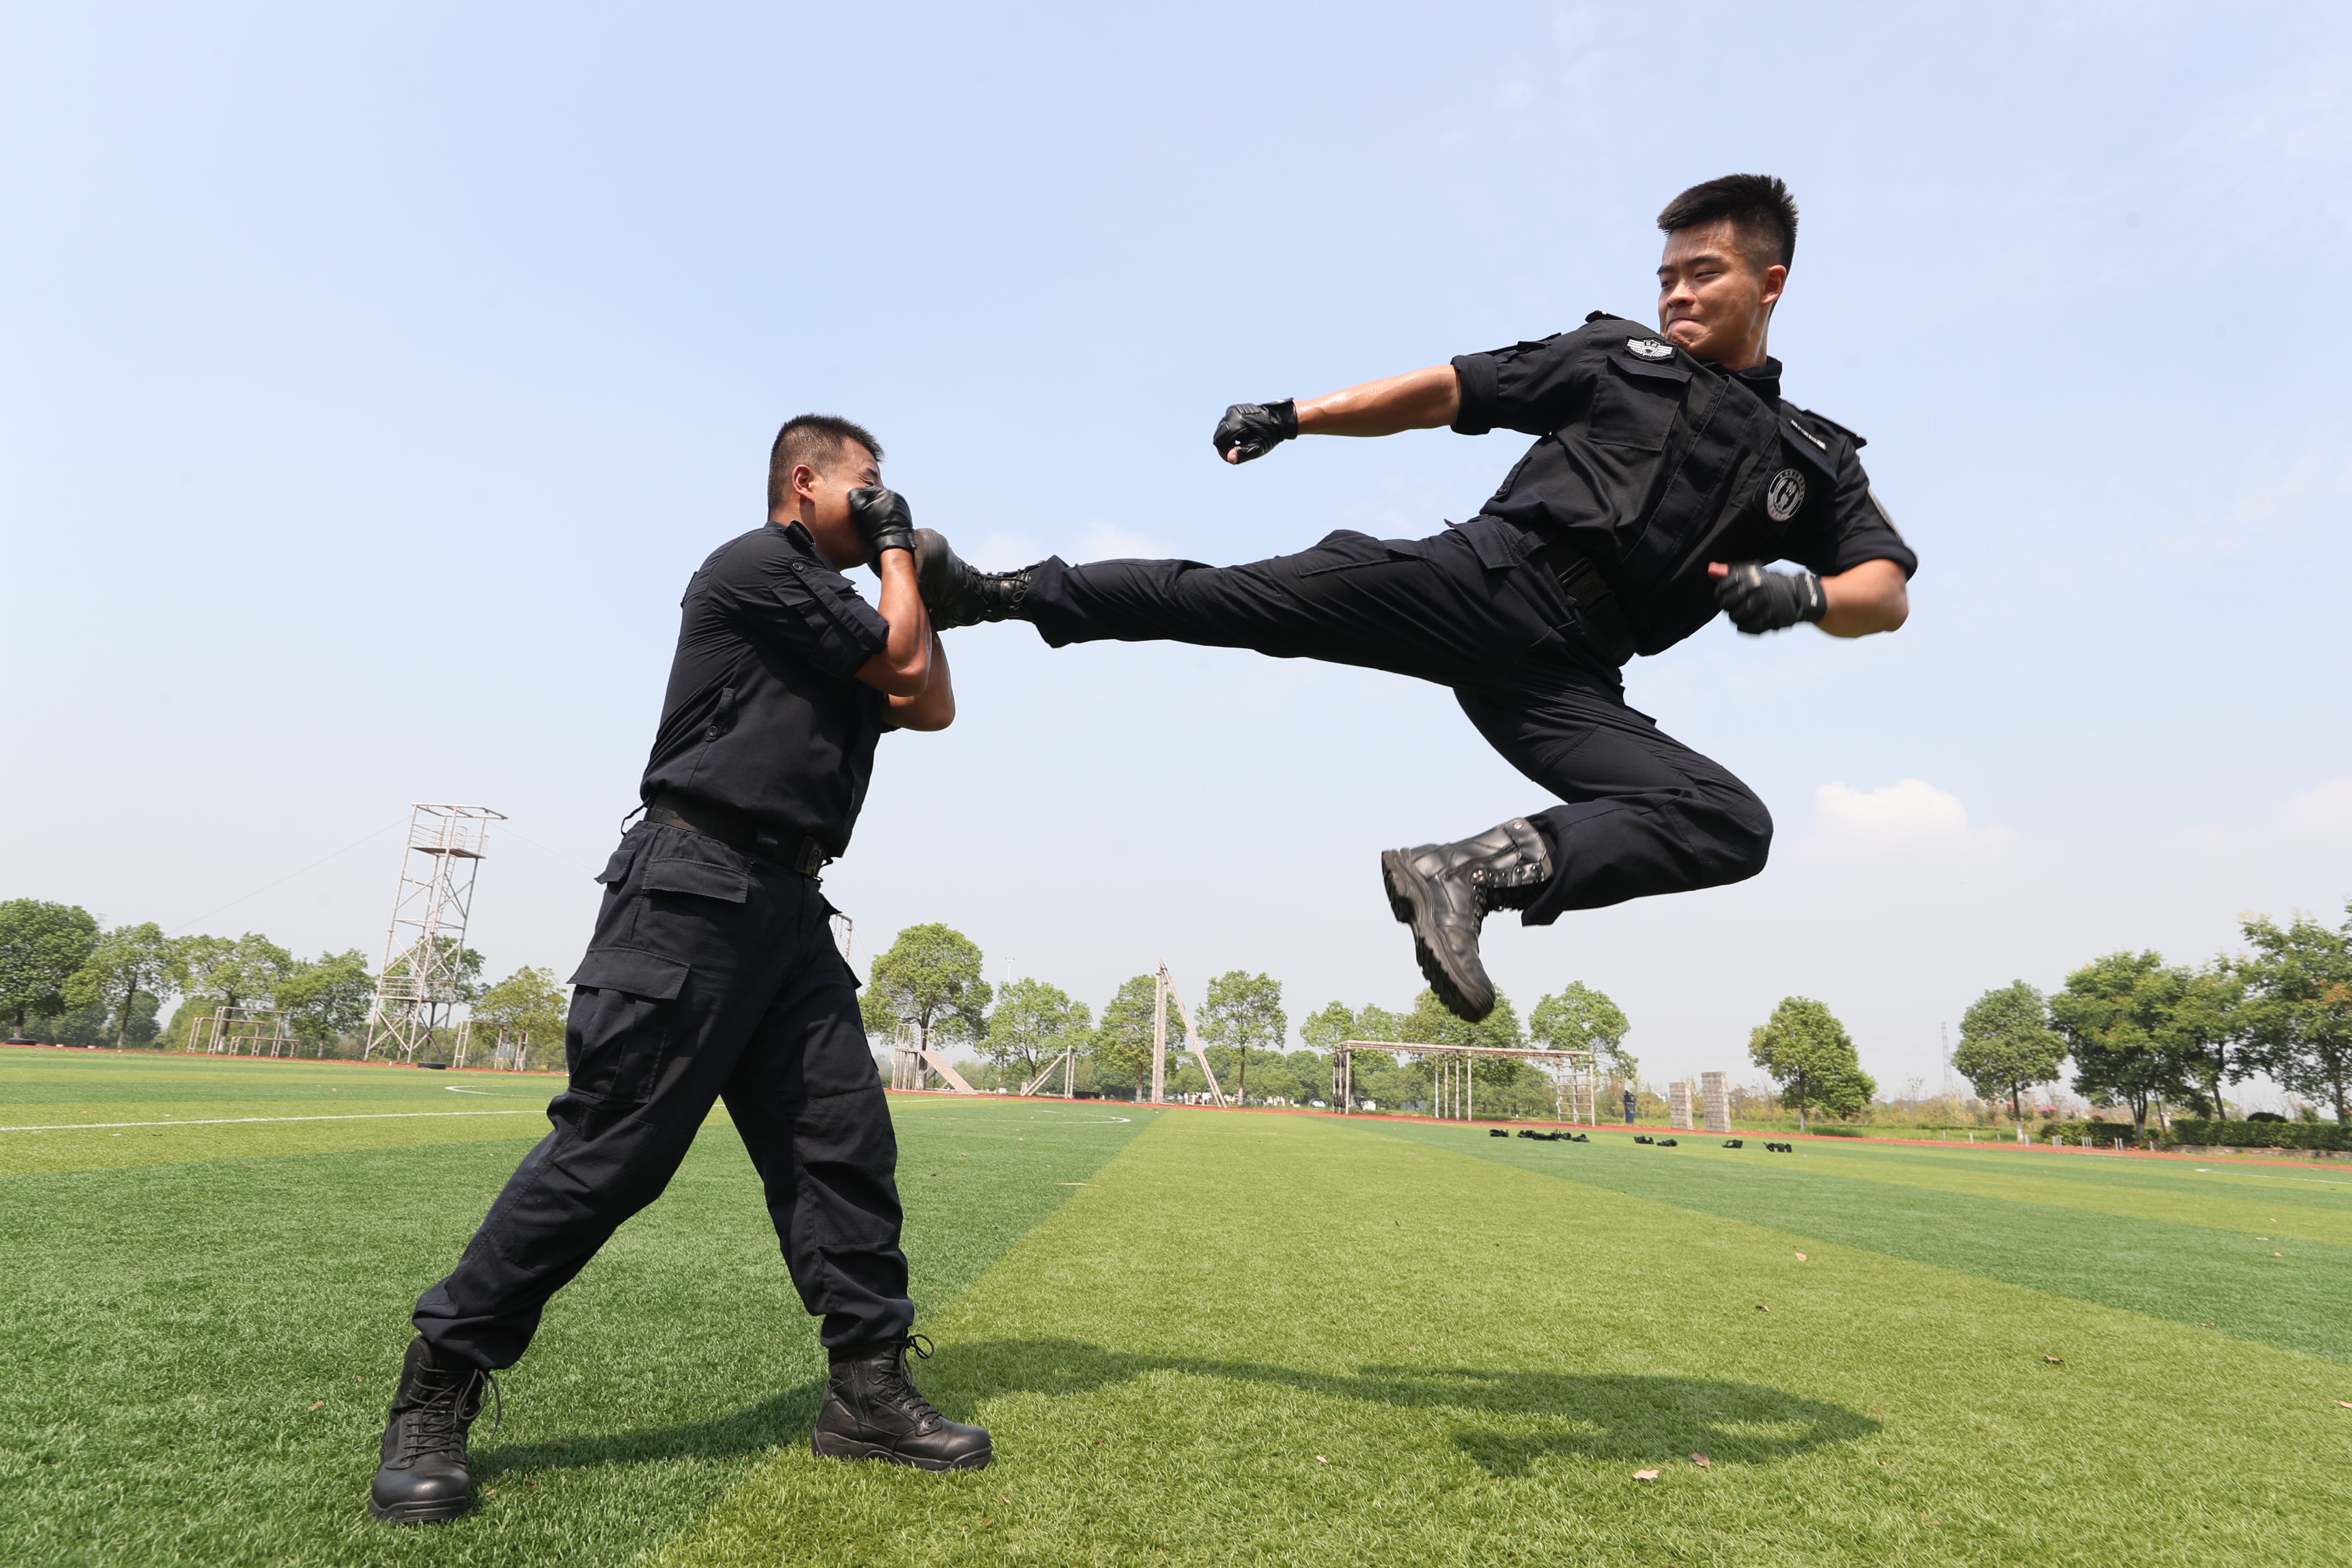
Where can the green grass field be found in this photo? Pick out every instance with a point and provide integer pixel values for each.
(1198, 1336)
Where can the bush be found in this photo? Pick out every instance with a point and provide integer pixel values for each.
(2253, 1134)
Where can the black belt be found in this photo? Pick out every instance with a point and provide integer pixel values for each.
(1604, 618)
(800, 854)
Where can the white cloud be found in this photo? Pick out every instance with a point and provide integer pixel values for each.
(1108, 541)
(2324, 813)
(1006, 552)
(2318, 816)
(1911, 815)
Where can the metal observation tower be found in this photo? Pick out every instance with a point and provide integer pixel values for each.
(417, 985)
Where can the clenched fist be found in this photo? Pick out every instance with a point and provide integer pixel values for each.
(1253, 429)
(1760, 601)
(883, 519)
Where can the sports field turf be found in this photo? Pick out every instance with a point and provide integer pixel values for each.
(1245, 1338)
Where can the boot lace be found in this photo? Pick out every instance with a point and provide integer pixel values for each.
(438, 1426)
(894, 1387)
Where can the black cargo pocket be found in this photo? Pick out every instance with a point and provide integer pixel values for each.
(1635, 405)
(1344, 549)
(702, 878)
(616, 869)
(619, 1032)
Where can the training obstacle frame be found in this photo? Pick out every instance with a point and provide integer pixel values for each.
(1453, 1094)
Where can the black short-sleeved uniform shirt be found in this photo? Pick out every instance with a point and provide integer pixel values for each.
(765, 716)
(1651, 464)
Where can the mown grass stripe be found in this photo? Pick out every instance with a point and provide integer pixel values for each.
(1272, 1341)
(231, 1120)
(167, 1329)
(2184, 1271)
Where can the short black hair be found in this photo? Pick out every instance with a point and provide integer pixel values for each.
(1762, 213)
(815, 439)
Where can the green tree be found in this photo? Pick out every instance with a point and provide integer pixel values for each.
(1582, 1019)
(930, 982)
(1245, 1010)
(2299, 991)
(329, 998)
(1034, 1023)
(1808, 1053)
(2006, 1043)
(42, 947)
(1122, 1041)
(530, 1001)
(127, 962)
(2117, 1014)
(2211, 1032)
(243, 973)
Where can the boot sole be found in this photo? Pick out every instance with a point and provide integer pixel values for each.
(421, 1512)
(1408, 900)
(829, 1445)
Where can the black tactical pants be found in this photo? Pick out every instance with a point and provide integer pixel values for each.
(1471, 610)
(711, 974)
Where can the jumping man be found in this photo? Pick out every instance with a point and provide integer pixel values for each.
(1666, 473)
(712, 973)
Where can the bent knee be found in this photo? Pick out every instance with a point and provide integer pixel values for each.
(1740, 837)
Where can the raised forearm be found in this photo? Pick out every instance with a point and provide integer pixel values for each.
(903, 668)
(1417, 400)
(934, 708)
(1866, 599)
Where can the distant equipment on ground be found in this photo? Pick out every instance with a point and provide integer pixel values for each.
(242, 1032)
(1452, 1092)
(1163, 991)
(508, 1051)
(417, 985)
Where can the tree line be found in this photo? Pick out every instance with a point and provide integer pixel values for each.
(930, 990)
(2144, 1034)
(66, 980)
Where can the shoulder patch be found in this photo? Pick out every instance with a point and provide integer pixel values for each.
(1651, 349)
(1784, 497)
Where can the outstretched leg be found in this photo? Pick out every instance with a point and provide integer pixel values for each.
(1451, 608)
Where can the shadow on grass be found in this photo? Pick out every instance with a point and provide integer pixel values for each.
(1625, 1417)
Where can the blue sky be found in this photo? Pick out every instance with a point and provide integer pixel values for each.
(372, 377)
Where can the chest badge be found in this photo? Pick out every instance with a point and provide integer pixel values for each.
(1649, 348)
(1784, 496)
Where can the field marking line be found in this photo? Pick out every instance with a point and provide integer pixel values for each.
(239, 1121)
(2266, 1177)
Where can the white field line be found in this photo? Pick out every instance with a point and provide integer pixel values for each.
(239, 1121)
(2268, 1177)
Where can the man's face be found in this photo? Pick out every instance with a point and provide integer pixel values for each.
(822, 494)
(1712, 303)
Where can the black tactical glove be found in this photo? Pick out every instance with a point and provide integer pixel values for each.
(883, 520)
(1253, 429)
(1759, 601)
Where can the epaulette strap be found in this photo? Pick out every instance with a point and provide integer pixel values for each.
(1854, 437)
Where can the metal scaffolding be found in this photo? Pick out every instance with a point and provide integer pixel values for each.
(243, 1031)
(1451, 1092)
(1165, 988)
(425, 950)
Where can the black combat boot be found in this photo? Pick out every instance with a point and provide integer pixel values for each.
(956, 593)
(1444, 890)
(872, 1411)
(422, 1476)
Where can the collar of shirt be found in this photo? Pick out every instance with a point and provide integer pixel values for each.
(1763, 380)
